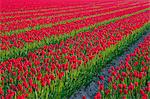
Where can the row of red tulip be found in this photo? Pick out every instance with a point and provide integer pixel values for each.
(131, 79)
(19, 40)
(48, 18)
(49, 8)
(50, 66)
(51, 12)
(59, 17)
(29, 6)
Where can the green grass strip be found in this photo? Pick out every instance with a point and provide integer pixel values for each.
(22, 52)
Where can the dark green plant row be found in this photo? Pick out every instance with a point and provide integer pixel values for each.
(16, 52)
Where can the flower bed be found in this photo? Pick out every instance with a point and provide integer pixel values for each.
(57, 70)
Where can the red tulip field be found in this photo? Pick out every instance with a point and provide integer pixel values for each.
(131, 78)
(58, 49)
